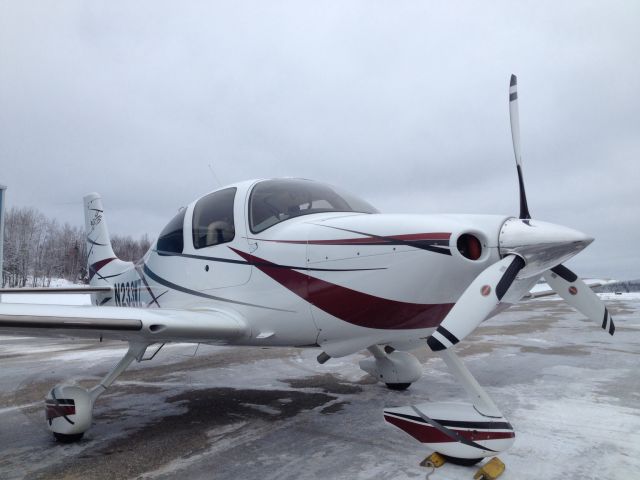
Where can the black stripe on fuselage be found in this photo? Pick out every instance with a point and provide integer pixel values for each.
(105, 277)
(449, 432)
(163, 253)
(435, 246)
(196, 293)
(140, 273)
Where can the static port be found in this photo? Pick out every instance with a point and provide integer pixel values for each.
(469, 246)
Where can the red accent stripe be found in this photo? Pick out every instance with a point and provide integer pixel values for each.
(95, 268)
(423, 236)
(355, 307)
(425, 433)
(55, 411)
(378, 240)
(350, 241)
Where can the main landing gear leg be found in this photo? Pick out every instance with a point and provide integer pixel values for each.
(69, 408)
(462, 433)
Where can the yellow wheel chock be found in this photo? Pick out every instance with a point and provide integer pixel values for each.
(490, 470)
(434, 460)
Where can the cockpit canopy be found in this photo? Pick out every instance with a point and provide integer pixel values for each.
(271, 202)
(274, 201)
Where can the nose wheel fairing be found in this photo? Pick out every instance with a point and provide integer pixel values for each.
(454, 429)
(459, 430)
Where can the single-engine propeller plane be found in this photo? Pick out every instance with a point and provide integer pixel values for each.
(295, 263)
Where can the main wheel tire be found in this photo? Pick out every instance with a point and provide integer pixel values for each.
(65, 438)
(465, 462)
(398, 386)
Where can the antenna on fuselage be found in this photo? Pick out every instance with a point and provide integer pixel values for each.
(215, 177)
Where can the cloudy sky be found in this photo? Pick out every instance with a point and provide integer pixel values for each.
(401, 102)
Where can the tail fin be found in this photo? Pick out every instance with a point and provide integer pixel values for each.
(101, 261)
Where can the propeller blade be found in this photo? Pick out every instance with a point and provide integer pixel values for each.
(476, 303)
(578, 294)
(514, 116)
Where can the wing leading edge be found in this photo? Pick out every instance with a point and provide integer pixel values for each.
(122, 323)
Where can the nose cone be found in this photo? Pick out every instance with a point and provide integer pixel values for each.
(543, 245)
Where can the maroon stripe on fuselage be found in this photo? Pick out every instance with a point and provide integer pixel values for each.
(425, 433)
(422, 236)
(94, 268)
(370, 240)
(352, 306)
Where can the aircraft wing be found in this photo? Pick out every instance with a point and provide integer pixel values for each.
(122, 323)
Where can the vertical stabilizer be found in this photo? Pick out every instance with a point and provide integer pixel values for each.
(102, 262)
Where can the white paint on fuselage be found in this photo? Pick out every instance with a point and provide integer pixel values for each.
(396, 272)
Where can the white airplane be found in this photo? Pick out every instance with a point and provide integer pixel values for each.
(295, 263)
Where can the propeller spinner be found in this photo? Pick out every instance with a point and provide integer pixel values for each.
(529, 248)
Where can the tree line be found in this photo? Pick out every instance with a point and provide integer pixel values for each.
(38, 249)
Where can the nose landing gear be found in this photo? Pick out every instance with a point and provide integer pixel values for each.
(462, 433)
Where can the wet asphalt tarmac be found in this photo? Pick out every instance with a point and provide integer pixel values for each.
(571, 392)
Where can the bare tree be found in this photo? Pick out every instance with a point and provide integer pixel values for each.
(37, 249)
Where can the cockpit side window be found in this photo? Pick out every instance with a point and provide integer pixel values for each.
(274, 201)
(170, 239)
(213, 219)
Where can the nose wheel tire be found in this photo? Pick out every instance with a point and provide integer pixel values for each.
(68, 438)
(465, 462)
(398, 386)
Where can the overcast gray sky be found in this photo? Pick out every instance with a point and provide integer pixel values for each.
(402, 102)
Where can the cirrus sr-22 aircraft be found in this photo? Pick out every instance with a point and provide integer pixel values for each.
(295, 263)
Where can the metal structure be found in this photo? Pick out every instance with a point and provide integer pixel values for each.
(2, 190)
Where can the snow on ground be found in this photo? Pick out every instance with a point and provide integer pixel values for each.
(46, 299)
(571, 391)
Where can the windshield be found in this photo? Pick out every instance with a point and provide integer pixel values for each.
(274, 201)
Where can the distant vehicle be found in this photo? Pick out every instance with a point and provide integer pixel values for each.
(295, 263)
